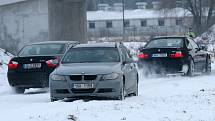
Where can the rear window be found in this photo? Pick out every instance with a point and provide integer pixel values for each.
(42, 49)
(165, 43)
(91, 55)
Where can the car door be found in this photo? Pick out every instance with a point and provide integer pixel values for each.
(199, 56)
(129, 71)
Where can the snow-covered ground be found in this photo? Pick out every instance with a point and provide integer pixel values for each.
(160, 99)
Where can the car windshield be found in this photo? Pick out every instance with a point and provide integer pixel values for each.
(165, 43)
(91, 54)
(42, 49)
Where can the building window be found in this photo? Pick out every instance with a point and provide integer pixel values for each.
(109, 24)
(143, 23)
(179, 22)
(126, 23)
(161, 22)
(92, 25)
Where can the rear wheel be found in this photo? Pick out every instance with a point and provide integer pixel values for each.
(18, 90)
(53, 99)
(191, 68)
(208, 66)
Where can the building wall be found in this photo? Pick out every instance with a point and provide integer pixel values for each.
(24, 22)
(135, 29)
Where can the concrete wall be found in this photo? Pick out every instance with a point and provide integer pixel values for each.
(152, 27)
(67, 20)
(24, 22)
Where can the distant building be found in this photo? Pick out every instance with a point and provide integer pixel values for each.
(138, 23)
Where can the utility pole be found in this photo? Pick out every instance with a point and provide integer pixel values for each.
(123, 19)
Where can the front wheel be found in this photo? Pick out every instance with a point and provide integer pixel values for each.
(136, 88)
(122, 93)
(208, 66)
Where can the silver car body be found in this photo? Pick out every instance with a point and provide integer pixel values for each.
(93, 74)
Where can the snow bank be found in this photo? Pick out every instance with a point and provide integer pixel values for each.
(4, 59)
(208, 37)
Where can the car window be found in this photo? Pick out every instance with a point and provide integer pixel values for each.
(42, 49)
(194, 45)
(91, 54)
(165, 43)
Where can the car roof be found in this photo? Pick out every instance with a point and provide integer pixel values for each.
(161, 37)
(53, 42)
(97, 45)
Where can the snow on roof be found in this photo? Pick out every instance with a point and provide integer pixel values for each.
(6, 2)
(136, 14)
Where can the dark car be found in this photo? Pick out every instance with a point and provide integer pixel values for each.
(34, 63)
(95, 70)
(173, 55)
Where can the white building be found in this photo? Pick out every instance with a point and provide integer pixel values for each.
(140, 22)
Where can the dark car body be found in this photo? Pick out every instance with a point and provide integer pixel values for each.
(31, 69)
(95, 70)
(177, 55)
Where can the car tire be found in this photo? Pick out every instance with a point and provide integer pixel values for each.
(53, 99)
(122, 93)
(136, 88)
(191, 68)
(18, 90)
(208, 66)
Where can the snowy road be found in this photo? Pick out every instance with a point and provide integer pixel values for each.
(164, 99)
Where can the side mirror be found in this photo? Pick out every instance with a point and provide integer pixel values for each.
(203, 47)
(128, 60)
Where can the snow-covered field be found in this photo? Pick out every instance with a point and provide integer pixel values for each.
(160, 99)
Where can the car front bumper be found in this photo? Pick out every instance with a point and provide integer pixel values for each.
(106, 89)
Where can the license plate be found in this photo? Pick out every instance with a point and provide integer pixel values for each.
(159, 55)
(32, 66)
(83, 86)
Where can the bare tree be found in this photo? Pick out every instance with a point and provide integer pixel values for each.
(202, 11)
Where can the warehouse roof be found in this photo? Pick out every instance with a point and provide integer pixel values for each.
(6, 2)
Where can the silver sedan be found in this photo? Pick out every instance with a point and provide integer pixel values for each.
(95, 70)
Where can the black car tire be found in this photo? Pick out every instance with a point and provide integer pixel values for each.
(191, 68)
(136, 88)
(53, 100)
(208, 66)
(18, 90)
(122, 93)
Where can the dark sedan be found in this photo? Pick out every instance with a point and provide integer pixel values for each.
(34, 63)
(174, 55)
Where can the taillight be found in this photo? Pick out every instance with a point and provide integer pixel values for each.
(177, 55)
(12, 65)
(143, 56)
(52, 63)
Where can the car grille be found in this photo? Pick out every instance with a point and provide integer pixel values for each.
(76, 77)
(81, 91)
(83, 77)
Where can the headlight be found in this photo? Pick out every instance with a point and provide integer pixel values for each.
(111, 76)
(58, 78)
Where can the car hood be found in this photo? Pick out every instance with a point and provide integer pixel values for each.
(88, 68)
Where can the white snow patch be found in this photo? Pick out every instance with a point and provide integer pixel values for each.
(160, 99)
